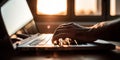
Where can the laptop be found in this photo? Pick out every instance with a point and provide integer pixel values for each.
(42, 42)
(16, 16)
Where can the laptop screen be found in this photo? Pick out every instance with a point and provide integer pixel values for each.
(15, 14)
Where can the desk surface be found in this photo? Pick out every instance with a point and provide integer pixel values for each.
(72, 55)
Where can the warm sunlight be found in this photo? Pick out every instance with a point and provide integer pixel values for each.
(85, 7)
(52, 7)
(112, 7)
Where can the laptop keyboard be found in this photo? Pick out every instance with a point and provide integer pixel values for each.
(32, 37)
(36, 39)
(35, 42)
(42, 41)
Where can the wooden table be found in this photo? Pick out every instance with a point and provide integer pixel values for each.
(71, 55)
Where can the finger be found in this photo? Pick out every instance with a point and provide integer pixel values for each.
(76, 42)
(71, 42)
(55, 42)
(63, 36)
(60, 41)
(68, 41)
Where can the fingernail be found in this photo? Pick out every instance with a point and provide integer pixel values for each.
(67, 40)
(55, 42)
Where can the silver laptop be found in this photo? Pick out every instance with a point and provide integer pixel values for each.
(16, 14)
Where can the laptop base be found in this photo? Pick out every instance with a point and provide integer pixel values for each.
(42, 42)
(94, 46)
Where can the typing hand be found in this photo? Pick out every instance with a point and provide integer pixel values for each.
(72, 33)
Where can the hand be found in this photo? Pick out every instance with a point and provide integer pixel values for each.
(72, 33)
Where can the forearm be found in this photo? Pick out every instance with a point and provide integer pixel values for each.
(108, 30)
